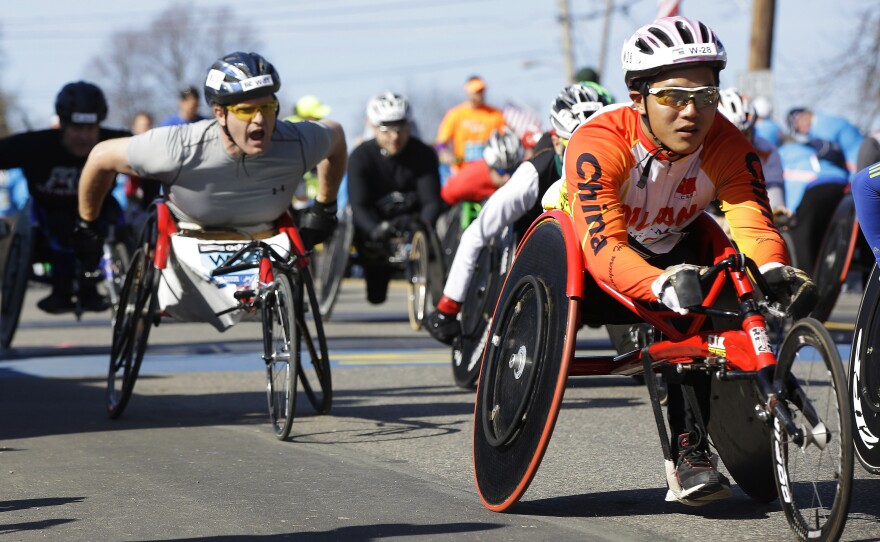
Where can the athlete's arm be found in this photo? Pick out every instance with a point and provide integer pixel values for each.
(866, 195)
(427, 185)
(99, 175)
(332, 168)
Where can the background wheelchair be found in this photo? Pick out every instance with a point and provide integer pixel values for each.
(28, 259)
(278, 291)
(864, 376)
(780, 420)
(414, 255)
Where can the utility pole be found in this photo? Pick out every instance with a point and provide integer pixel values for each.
(606, 29)
(567, 52)
(761, 45)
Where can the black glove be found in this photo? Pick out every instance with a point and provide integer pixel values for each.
(794, 288)
(317, 224)
(88, 243)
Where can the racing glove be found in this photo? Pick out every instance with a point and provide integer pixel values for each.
(317, 223)
(794, 288)
(88, 243)
(443, 324)
(678, 287)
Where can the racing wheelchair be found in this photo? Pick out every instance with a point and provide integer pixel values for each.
(780, 420)
(222, 277)
(412, 253)
(29, 256)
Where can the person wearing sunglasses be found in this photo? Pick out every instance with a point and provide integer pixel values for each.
(517, 202)
(638, 176)
(478, 179)
(393, 177)
(238, 169)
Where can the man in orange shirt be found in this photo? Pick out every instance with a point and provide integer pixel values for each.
(466, 127)
(638, 176)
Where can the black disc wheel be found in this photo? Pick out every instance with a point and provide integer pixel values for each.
(814, 477)
(15, 276)
(313, 365)
(281, 354)
(834, 258)
(864, 377)
(478, 307)
(524, 369)
(132, 319)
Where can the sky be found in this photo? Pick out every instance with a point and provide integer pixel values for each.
(345, 51)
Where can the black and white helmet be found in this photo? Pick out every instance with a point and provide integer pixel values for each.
(503, 150)
(737, 107)
(575, 104)
(240, 76)
(388, 108)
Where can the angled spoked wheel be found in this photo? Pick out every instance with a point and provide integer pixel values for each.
(814, 478)
(525, 368)
(479, 304)
(132, 319)
(330, 261)
(418, 291)
(835, 256)
(281, 354)
(15, 275)
(313, 366)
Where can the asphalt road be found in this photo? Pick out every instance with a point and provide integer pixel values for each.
(193, 456)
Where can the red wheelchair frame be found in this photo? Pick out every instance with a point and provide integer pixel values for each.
(508, 448)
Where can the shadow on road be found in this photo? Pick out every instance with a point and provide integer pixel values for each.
(365, 532)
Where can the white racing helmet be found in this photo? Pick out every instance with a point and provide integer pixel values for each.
(388, 108)
(670, 42)
(575, 104)
(503, 150)
(737, 107)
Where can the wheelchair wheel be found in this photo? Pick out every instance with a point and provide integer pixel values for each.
(864, 377)
(418, 292)
(132, 319)
(834, 257)
(479, 304)
(814, 479)
(330, 261)
(15, 275)
(115, 263)
(309, 335)
(524, 370)
(281, 354)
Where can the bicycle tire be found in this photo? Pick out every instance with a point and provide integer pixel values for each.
(815, 506)
(15, 277)
(835, 255)
(280, 350)
(133, 318)
(331, 262)
(417, 280)
(315, 375)
(114, 275)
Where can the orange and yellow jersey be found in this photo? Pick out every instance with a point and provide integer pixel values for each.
(604, 161)
(467, 128)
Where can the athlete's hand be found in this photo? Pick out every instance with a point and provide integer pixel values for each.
(317, 224)
(88, 243)
(678, 287)
(794, 288)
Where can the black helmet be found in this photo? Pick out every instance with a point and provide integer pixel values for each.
(81, 103)
(238, 77)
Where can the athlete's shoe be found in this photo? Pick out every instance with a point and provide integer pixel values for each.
(443, 327)
(56, 303)
(696, 472)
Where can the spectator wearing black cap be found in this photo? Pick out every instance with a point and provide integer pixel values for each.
(188, 108)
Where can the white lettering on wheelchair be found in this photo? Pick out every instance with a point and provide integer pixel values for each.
(760, 340)
(716, 345)
(868, 438)
(782, 475)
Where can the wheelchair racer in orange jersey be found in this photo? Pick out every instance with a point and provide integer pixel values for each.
(638, 175)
